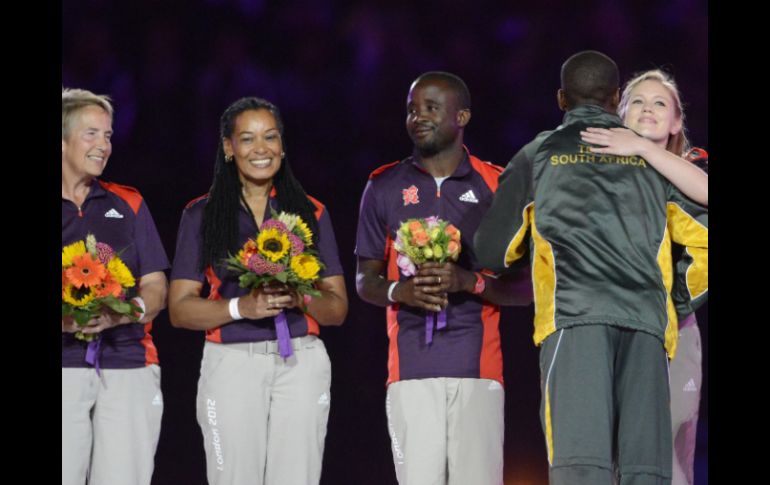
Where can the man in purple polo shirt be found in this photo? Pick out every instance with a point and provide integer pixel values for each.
(110, 413)
(445, 397)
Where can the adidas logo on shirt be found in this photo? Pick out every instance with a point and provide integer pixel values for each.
(157, 400)
(324, 399)
(112, 213)
(469, 197)
(690, 386)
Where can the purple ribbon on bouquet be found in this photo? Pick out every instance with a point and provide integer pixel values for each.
(92, 353)
(284, 338)
(430, 317)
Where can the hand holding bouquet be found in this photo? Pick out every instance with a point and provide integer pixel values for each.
(419, 241)
(94, 279)
(281, 253)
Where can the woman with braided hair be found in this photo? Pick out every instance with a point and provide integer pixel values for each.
(263, 416)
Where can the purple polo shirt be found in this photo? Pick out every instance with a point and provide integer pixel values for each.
(223, 284)
(116, 215)
(470, 344)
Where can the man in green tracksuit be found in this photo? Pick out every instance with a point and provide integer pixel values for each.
(599, 229)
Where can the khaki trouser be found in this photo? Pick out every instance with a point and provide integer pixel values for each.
(264, 419)
(446, 431)
(685, 374)
(110, 425)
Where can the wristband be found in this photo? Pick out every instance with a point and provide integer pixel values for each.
(480, 284)
(233, 306)
(390, 291)
(139, 301)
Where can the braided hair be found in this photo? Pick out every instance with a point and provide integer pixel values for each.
(220, 216)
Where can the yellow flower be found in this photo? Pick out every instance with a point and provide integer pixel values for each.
(70, 295)
(69, 252)
(273, 244)
(306, 266)
(120, 272)
(304, 230)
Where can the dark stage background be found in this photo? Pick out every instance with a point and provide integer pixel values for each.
(340, 71)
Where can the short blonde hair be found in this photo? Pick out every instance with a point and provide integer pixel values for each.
(73, 100)
(678, 144)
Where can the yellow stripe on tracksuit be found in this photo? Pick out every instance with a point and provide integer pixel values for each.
(666, 269)
(516, 247)
(543, 273)
(544, 286)
(687, 231)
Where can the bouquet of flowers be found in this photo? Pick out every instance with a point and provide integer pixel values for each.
(93, 277)
(421, 240)
(282, 252)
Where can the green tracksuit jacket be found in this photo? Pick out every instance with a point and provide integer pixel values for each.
(599, 229)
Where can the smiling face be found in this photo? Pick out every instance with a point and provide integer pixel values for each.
(433, 117)
(652, 112)
(85, 152)
(256, 146)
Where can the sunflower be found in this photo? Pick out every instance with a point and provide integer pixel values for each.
(69, 252)
(306, 266)
(77, 297)
(86, 271)
(304, 231)
(120, 273)
(273, 244)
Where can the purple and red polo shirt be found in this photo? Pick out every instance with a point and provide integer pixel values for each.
(224, 284)
(469, 346)
(116, 215)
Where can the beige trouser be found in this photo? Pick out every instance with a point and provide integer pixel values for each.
(109, 425)
(685, 376)
(264, 419)
(446, 431)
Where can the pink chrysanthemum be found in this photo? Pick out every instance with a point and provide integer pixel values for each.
(260, 265)
(104, 252)
(274, 223)
(297, 246)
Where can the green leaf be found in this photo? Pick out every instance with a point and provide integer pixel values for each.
(122, 307)
(83, 316)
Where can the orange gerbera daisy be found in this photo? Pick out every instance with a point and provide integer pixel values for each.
(249, 250)
(108, 286)
(86, 271)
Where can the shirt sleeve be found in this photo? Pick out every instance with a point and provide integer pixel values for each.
(501, 238)
(152, 257)
(372, 230)
(188, 246)
(327, 246)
